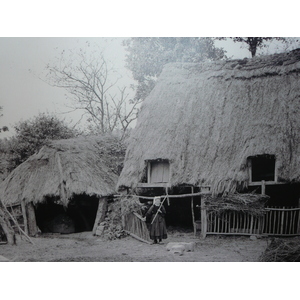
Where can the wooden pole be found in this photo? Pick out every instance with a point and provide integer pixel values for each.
(167, 193)
(251, 225)
(31, 219)
(161, 204)
(101, 211)
(7, 228)
(203, 219)
(137, 237)
(263, 187)
(24, 216)
(298, 226)
(282, 220)
(18, 226)
(169, 196)
(192, 208)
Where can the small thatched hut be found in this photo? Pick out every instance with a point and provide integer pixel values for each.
(60, 188)
(229, 125)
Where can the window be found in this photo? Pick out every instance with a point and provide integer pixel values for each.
(158, 171)
(262, 167)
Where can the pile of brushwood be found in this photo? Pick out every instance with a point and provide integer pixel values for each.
(131, 204)
(282, 250)
(250, 203)
(111, 228)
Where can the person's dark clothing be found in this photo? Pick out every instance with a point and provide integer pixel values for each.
(158, 229)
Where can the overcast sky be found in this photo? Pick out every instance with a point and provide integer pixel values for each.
(23, 93)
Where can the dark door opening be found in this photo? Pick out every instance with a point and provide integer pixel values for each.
(79, 216)
(287, 195)
(179, 212)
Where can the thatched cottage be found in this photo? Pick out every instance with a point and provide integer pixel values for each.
(232, 126)
(61, 188)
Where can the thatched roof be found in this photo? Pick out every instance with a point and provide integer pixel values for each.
(208, 118)
(64, 168)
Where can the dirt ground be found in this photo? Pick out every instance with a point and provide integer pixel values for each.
(84, 247)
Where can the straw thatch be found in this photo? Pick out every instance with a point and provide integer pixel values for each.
(64, 168)
(206, 119)
(282, 250)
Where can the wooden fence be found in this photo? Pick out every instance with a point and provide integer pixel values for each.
(277, 221)
(281, 221)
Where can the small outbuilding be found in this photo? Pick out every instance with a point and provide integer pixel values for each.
(64, 187)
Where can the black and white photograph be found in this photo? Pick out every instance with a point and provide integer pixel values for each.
(149, 149)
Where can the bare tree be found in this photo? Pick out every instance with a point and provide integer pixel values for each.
(93, 87)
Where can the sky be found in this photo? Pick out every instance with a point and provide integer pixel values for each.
(33, 36)
(23, 90)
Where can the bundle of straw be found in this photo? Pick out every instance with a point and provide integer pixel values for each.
(282, 250)
(248, 203)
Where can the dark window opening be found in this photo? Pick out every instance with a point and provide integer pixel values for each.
(263, 168)
(287, 195)
(79, 216)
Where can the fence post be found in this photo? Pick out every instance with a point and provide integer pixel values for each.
(298, 211)
(203, 219)
(25, 220)
(261, 220)
(263, 187)
(192, 208)
(298, 226)
(251, 225)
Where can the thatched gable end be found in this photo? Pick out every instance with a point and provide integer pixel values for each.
(207, 119)
(63, 169)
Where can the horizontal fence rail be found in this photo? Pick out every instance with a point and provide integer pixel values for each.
(279, 221)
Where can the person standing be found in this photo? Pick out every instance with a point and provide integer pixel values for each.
(156, 214)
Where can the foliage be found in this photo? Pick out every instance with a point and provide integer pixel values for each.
(92, 85)
(147, 56)
(113, 150)
(32, 134)
(3, 128)
(254, 43)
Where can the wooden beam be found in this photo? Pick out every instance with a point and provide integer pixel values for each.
(154, 184)
(170, 196)
(281, 209)
(24, 216)
(31, 220)
(137, 237)
(203, 219)
(192, 208)
(298, 225)
(101, 211)
(148, 172)
(257, 183)
(263, 187)
(250, 170)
